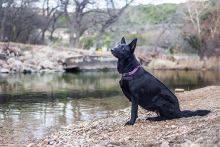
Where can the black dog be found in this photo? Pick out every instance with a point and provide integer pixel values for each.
(142, 88)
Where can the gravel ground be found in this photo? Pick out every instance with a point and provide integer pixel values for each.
(192, 131)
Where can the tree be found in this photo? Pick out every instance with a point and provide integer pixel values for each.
(211, 28)
(194, 11)
(25, 21)
(4, 8)
(17, 20)
(78, 20)
(193, 35)
(111, 15)
(204, 18)
(87, 14)
(50, 15)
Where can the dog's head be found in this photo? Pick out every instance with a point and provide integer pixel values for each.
(123, 50)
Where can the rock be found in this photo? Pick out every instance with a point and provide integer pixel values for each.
(4, 65)
(27, 71)
(11, 61)
(2, 56)
(18, 65)
(2, 62)
(46, 71)
(27, 55)
(47, 64)
(14, 64)
(28, 68)
(165, 144)
(189, 143)
(44, 142)
(179, 90)
(31, 145)
(59, 68)
(41, 55)
(4, 70)
(44, 59)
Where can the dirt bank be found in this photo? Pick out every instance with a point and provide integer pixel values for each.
(192, 131)
(179, 62)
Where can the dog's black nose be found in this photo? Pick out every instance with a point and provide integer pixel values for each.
(112, 49)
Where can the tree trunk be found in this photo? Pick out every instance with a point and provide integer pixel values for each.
(74, 42)
(2, 32)
(74, 36)
(51, 34)
(98, 38)
(43, 36)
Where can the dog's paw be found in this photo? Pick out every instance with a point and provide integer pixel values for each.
(129, 123)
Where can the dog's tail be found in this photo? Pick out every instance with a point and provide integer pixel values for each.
(189, 113)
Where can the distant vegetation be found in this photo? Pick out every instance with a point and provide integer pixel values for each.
(134, 22)
(154, 14)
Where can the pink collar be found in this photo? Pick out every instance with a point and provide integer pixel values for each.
(130, 73)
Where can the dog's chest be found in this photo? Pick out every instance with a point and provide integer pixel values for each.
(124, 84)
(128, 86)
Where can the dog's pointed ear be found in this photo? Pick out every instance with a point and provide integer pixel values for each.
(132, 45)
(123, 40)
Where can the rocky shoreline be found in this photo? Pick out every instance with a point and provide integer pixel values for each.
(20, 58)
(193, 131)
(31, 59)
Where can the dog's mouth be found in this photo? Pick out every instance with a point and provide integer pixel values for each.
(113, 52)
(115, 55)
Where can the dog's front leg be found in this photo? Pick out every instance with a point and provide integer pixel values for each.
(134, 111)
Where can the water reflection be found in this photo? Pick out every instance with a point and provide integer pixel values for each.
(39, 103)
(36, 104)
(188, 79)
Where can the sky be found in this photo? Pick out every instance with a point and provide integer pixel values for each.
(120, 3)
(158, 1)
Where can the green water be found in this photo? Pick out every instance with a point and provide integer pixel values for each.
(32, 106)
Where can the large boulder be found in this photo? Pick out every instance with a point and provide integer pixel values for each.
(3, 56)
(4, 70)
(15, 65)
(2, 63)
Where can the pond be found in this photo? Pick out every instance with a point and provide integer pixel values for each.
(33, 105)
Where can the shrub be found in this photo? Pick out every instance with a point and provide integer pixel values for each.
(87, 42)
